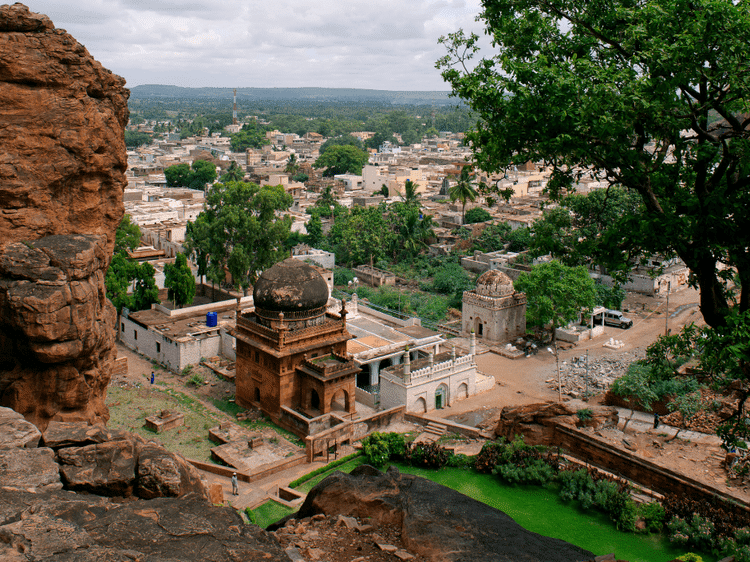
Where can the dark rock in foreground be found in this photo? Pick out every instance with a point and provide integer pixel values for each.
(66, 527)
(436, 522)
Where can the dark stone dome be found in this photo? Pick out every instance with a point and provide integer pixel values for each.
(290, 286)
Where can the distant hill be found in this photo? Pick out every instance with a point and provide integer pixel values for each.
(155, 91)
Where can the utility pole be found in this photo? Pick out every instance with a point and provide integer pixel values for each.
(666, 319)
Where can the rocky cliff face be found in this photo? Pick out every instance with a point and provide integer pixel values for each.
(62, 163)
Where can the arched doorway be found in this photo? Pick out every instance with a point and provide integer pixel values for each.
(463, 391)
(441, 397)
(340, 401)
(420, 406)
(478, 327)
(314, 400)
(257, 394)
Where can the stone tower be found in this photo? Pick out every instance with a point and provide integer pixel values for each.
(291, 353)
(494, 310)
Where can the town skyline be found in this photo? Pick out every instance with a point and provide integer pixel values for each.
(384, 46)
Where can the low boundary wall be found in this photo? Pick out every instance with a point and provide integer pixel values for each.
(631, 467)
(261, 472)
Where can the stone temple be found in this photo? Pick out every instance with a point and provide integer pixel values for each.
(292, 361)
(494, 311)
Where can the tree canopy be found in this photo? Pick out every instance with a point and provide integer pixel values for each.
(342, 159)
(179, 281)
(650, 95)
(196, 176)
(556, 294)
(240, 230)
(251, 135)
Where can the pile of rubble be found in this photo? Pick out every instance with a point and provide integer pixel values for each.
(584, 376)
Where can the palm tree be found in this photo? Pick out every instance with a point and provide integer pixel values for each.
(463, 191)
(410, 195)
(291, 164)
(233, 173)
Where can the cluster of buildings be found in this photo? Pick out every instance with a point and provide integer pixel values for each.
(305, 359)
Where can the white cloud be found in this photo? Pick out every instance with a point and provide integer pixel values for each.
(387, 45)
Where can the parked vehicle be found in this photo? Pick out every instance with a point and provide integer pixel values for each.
(613, 318)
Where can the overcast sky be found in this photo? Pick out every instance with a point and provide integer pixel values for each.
(384, 45)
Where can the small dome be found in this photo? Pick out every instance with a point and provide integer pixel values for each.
(494, 283)
(290, 286)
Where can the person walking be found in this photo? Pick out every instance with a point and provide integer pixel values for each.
(153, 376)
(235, 485)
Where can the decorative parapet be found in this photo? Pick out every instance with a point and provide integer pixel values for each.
(494, 303)
(282, 336)
(329, 364)
(438, 370)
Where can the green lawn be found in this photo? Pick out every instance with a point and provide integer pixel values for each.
(270, 512)
(541, 510)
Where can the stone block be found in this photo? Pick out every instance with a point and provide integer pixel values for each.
(165, 420)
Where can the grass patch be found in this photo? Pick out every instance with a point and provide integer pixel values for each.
(540, 509)
(270, 512)
(346, 466)
(129, 408)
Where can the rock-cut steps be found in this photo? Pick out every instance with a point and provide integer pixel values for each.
(432, 432)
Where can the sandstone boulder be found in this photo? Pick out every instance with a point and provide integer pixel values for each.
(435, 522)
(29, 469)
(62, 155)
(67, 527)
(78, 434)
(15, 431)
(62, 163)
(57, 329)
(536, 422)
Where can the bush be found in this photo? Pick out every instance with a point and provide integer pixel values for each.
(251, 516)
(477, 214)
(196, 379)
(585, 414)
(594, 490)
(689, 557)
(426, 455)
(517, 462)
(379, 448)
(653, 516)
(694, 531)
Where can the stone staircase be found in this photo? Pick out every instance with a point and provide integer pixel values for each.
(432, 432)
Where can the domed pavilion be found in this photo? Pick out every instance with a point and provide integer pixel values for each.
(494, 310)
(291, 353)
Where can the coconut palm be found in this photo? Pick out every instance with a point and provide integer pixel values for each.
(463, 191)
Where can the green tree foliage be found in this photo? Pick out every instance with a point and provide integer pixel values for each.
(609, 297)
(413, 230)
(359, 236)
(240, 230)
(201, 174)
(342, 160)
(343, 140)
(134, 139)
(410, 196)
(195, 177)
(556, 294)
(123, 272)
(178, 175)
(648, 95)
(179, 281)
(251, 135)
(145, 292)
(292, 165)
(127, 236)
(477, 214)
(463, 191)
(587, 230)
(233, 173)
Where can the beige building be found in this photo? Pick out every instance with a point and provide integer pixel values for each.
(494, 311)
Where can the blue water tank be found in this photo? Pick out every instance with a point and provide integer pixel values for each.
(211, 319)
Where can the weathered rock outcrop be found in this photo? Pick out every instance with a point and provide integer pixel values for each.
(62, 163)
(536, 422)
(39, 520)
(435, 522)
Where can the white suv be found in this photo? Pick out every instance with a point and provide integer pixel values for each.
(614, 318)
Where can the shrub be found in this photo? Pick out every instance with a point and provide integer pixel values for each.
(694, 531)
(477, 214)
(427, 455)
(690, 557)
(187, 370)
(595, 490)
(653, 515)
(196, 379)
(251, 516)
(518, 462)
(585, 414)
(379, 448)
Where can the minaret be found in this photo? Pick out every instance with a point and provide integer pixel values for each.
(234, 108)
